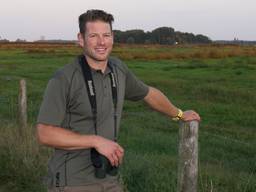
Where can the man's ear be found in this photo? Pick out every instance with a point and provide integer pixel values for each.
(80, 38)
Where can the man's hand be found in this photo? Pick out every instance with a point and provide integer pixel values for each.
(110, 149)
(190, 115)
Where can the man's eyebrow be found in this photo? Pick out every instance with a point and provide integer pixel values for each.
(92, 33)
(95, 33)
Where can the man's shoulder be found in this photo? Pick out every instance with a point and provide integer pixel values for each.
(118, 64)
(68, 70)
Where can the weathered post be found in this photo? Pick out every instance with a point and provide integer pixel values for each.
(22, 108)
(188, 157)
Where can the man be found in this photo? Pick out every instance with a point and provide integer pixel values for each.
(81, 110)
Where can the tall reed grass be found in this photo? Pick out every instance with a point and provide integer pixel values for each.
(22, 160)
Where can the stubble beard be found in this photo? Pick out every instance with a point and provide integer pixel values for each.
(95, 57)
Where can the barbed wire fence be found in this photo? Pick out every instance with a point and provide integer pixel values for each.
(8, 108)
(18, 107)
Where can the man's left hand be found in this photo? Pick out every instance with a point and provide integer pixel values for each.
(190, 115)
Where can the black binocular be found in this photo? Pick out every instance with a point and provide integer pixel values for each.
(102, 165)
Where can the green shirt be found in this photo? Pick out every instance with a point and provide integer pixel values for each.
(66, 104)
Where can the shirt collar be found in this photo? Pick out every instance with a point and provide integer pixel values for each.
(106, 72)
(94, 71)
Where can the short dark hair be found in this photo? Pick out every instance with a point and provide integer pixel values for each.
(94, 15)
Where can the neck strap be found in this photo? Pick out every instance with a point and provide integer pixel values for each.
(92, 93)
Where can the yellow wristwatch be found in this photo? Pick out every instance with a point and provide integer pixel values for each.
(179, 115)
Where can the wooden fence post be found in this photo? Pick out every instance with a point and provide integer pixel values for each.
(22, 108)
(188, 157)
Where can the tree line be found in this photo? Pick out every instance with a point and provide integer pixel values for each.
(161, 35)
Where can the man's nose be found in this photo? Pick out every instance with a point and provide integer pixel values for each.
(101, 40)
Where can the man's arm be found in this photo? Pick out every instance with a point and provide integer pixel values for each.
(61, 138)
(159, 102)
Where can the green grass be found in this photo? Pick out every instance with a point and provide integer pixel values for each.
(222, 90)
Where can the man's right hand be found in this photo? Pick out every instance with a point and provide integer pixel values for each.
(61, 138)
(110, 149)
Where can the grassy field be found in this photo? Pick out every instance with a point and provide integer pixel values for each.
(217, 81)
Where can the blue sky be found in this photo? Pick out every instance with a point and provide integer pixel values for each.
(57, 19)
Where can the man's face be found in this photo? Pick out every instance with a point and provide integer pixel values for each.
(97, 41)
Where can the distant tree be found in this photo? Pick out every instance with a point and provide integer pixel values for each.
(3, 40)
(130, 40)
(118, 35)
(202, 39)
(20, 40)
(178, 37)
(148, 41)
(161, 35)
(138, 35)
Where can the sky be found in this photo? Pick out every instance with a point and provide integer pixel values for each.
(58, 19)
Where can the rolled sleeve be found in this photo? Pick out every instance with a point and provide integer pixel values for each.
(135, 89)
